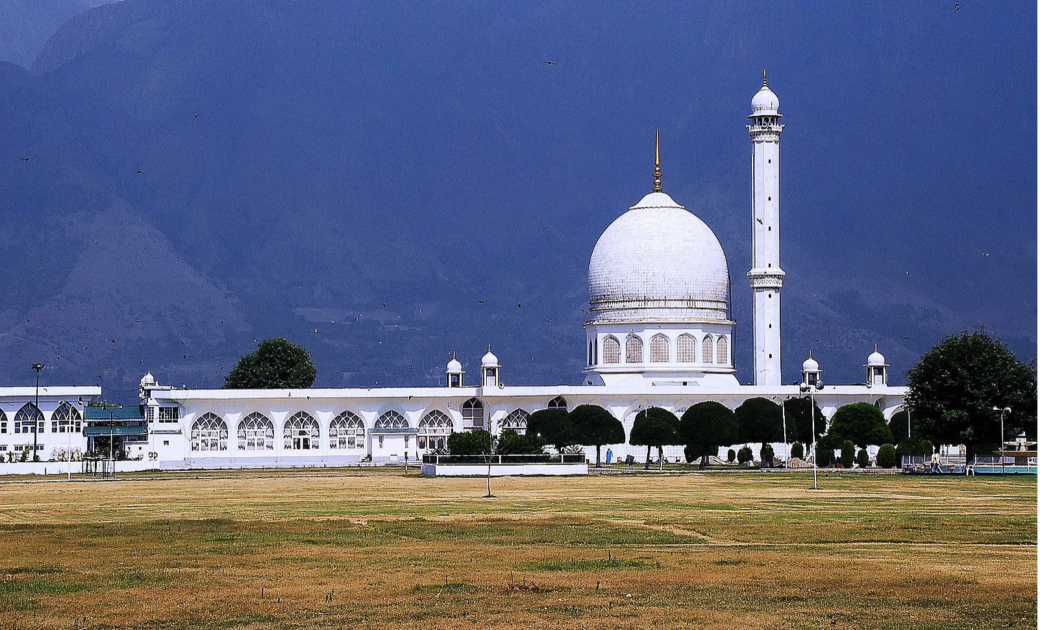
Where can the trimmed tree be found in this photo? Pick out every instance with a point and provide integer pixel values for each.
(731, 456)
(655, 427)
(512, 443)
(759, 420)
(706, 426)
(552, 426)
(862, 423)
(798, 451)
(848, 453)
(800, 420)
(863, 458)
(955, 386)
(470, 443)
(595, 425)
(897, 425)
(744, 455)
(886, 456)
(277, 364)
(767, 456)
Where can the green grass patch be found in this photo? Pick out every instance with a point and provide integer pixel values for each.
(588, 564)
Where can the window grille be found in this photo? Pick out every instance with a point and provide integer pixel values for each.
(346, 431)
(434, 429)
(391, 420)
(633, 349)
(3, 421)
(29, 419)
(209, 433)
(66, 419)
(473, 414)
(301, 432)
(256, 433)
(723, 351)
(707, 353)
(169, 414)
(516, 420)
(611, 350)
(659, 349)
(558, 403)
(686, 347)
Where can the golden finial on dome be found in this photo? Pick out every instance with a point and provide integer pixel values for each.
(657, 164)
(763, 77)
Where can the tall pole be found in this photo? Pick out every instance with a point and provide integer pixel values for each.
(812, 414)
(1002, 412)
(37, 415)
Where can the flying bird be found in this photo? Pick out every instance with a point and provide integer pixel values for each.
(140, 172)
(549, 63)
(548, 320)
(908, 273)
(193, 119)
(315, 331)
(519, 305)
(759, 221)
(24, 159)
(985, 255)
(384, 304)
(956, 7)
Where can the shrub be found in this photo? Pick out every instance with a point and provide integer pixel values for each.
(824, 457)
(798, 451)
(744, 455)
(886, 456)
(863, 458)
(469, 443)
(767, 455)
(731, 456)
(848, 453)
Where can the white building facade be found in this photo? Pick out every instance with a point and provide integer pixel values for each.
(659, 334)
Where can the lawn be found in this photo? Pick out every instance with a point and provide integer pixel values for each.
(343, 548)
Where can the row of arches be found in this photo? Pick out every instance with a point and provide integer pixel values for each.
(713, 349)
(29, 419)
(302, 432)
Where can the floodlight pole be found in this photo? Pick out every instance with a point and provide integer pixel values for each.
(1002, 412)
(812, 414)
(37, 418)
(783, 414)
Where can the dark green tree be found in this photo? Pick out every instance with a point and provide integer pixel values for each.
(798, 451)
(731, 456)
(655, 427)
(552, 426)
(862, 423)
(848, 453)
(799, 420)
(595, 426)
(744, 455)
(706, 426)
(767, 456)
(470, 443)
(277, 364)
(512, 443)
(863, 458)
(955, 386)
(824, 456)
(759, 420)
(897, 425)
(886, 456)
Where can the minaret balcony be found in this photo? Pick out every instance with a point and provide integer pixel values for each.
(766, 278)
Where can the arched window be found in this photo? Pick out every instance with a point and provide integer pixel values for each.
(434, 429)
(707, 351)
(686, 348)
(659, 349)
(722, 350)
(558, 403)
(590, 352)
(346, 431)
(301, 432)
(3, 421)
(391, 420)
(633, 349)
(209, 433)
(473, 414)
(255, 433)
(516, 420)
(611, 350)
(66, 419)
(29, 419)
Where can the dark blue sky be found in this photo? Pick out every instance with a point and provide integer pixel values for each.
(348, 155)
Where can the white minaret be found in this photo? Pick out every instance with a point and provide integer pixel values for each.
(765, 276)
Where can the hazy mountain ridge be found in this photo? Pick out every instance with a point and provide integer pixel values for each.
(302, 165)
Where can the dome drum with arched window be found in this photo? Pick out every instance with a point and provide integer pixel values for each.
(659, 298)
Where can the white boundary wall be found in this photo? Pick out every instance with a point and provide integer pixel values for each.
(504, 470)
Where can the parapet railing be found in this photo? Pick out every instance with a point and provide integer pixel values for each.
(447, 460)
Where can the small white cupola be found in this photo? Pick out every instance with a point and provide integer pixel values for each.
(453, 373)
(811, 371)
(877, 369)
(148, 383)
(489, 367)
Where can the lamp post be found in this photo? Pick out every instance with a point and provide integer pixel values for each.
(783, 415)
(38, 414)
(806, 387)
(1002, 412)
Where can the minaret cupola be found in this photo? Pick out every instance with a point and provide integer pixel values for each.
(877, 369)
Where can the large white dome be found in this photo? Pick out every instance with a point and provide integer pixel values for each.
(658, 262)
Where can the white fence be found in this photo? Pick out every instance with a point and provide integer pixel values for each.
(62, 468)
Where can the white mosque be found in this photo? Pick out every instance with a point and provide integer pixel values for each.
(660, 334)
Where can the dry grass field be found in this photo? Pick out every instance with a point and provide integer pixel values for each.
(383, 550)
